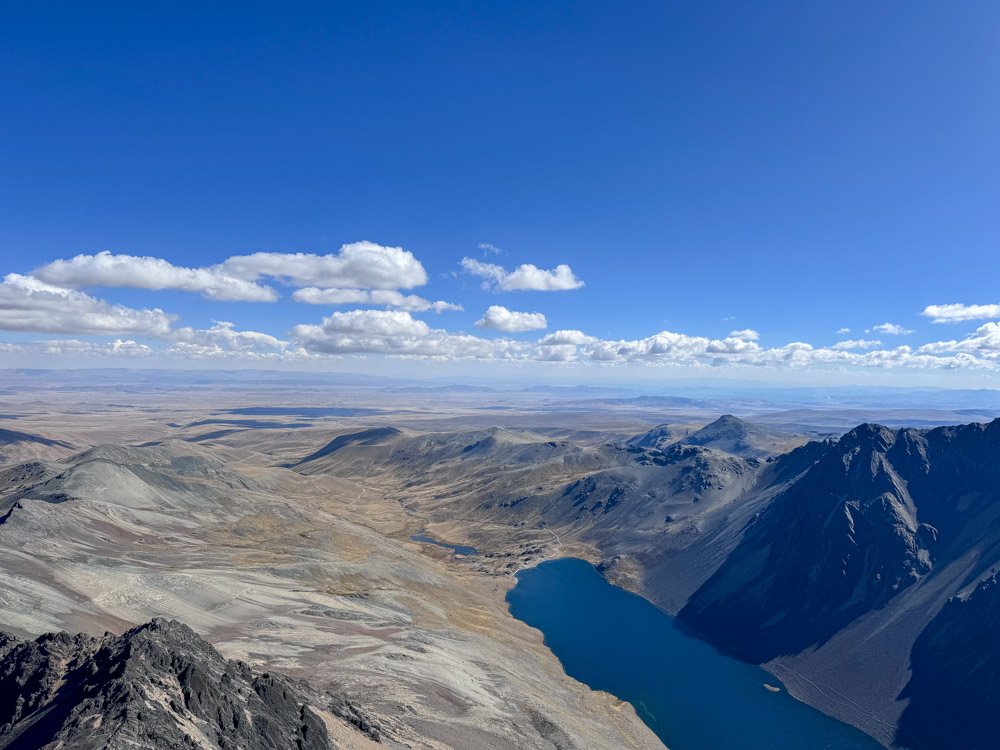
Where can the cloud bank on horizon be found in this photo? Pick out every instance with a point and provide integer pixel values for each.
(57, 300)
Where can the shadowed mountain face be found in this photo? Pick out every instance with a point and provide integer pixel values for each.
(955, 688)
(23, 446)
(158, 685)
(13, 436)
(879, 512)
(365, 437)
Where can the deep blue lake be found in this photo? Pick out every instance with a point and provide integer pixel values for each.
(692, 696)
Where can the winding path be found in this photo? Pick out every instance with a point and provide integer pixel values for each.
(555, 551)
(350, 505)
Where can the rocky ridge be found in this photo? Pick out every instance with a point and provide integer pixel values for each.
(156, 686)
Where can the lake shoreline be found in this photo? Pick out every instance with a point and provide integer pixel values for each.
(619, 642)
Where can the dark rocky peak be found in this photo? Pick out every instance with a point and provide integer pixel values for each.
(875, 513)
(158, 685)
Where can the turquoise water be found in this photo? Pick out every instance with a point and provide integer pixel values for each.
(692, 696)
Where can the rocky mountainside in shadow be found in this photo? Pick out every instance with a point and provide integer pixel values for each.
(876, 514)
(955, 688)
(158, 686)
(847, 569)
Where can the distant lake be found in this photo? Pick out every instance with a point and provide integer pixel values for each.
(692, 696)
(458, 549)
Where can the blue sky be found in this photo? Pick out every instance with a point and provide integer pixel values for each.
(786, 168)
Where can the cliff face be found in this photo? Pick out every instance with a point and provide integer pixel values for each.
(878, 512)
(156, 686)
(954, 690)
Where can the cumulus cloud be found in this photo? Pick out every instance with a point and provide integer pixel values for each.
(28, 304)
(129, 349)
(747, 333)
(359, 265)
(105, 269)
(77, 348)
(891, 329)
(985, 342)
(388, 297)
(957, 313)
(223, 335)
(499, 318)
(669, 346)
(842, 331)
(857, 344)
(564, 338)
(526, 277)
(396, 332)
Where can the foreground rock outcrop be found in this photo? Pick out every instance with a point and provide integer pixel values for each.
(158, 685)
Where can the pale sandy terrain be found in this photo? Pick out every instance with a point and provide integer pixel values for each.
(313, 575)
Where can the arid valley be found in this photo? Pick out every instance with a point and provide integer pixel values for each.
(275, 517)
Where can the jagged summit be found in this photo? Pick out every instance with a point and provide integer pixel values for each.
(156, 686)
(880, 511)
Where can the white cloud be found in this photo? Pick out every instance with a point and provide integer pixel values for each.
(669, 346)
(748, 334)
(105, 269)
(562, 346)
(526, 277)
(388, 297)
(396, 333)
(77, 348)
(359, 265)
(487, 248)
(842, 331)
(224, 336)
(30, 305)
(563, 338)
(499, 318)
(857, 344)
(889, 328)
(985, 342)
(956, 313)
(27, 304)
